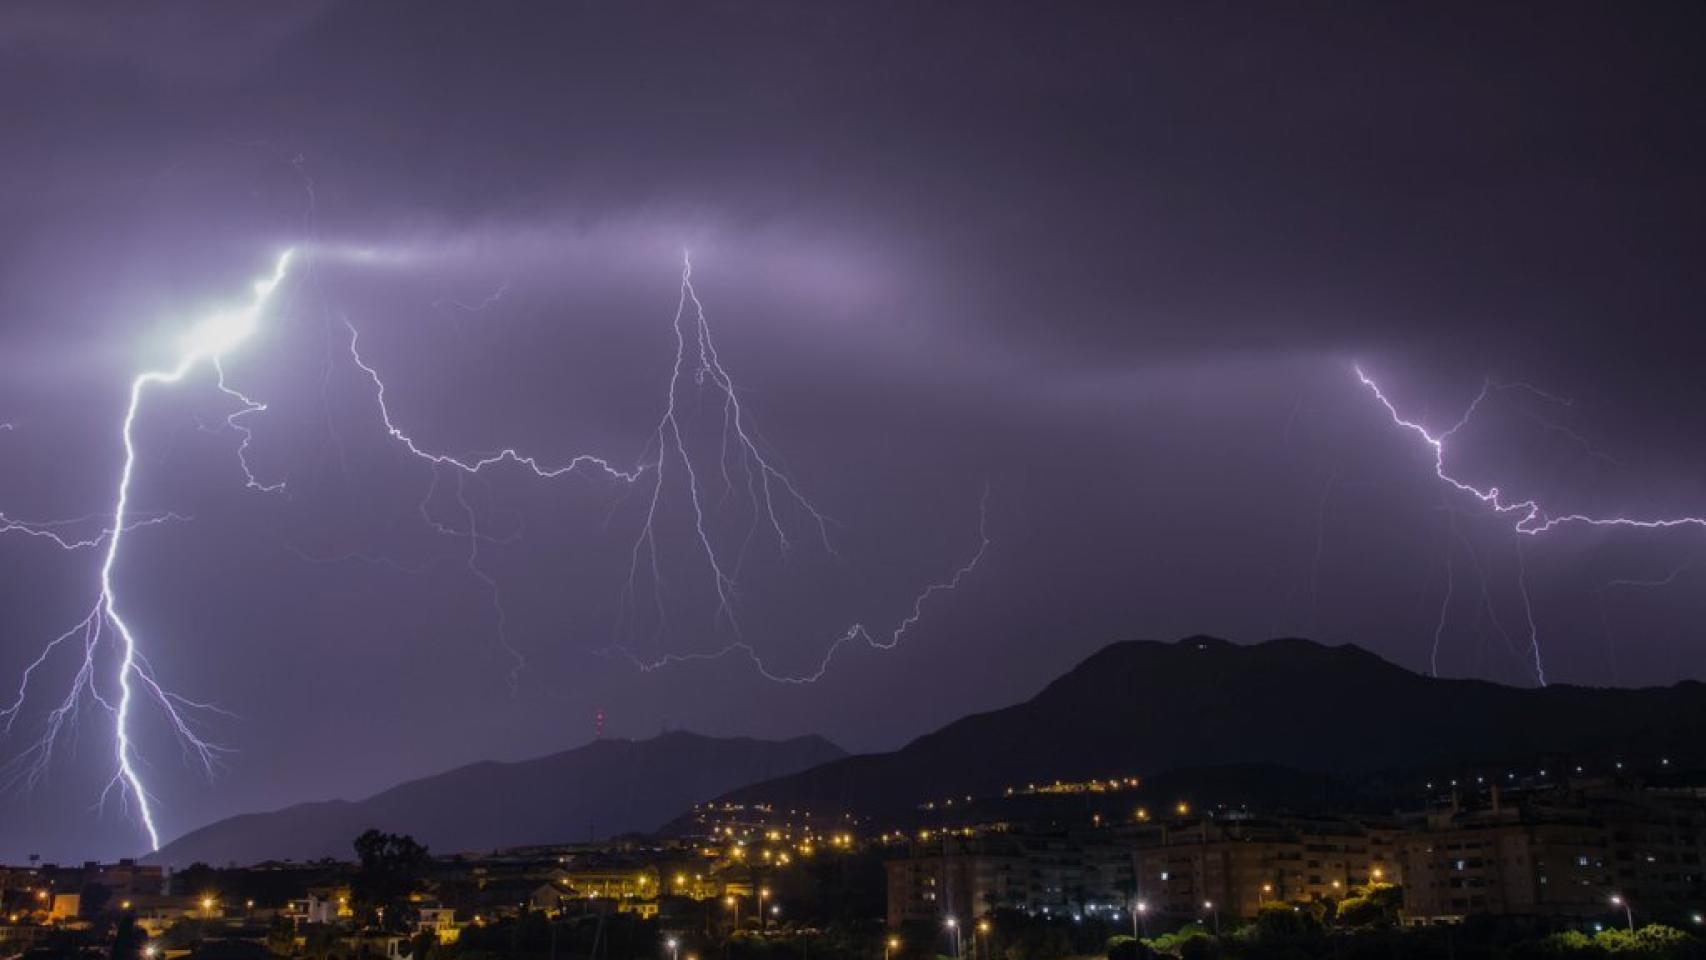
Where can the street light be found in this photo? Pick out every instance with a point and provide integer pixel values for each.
(890, 946)
(1141, 913)
(982, 939)
(763, 921)
(1262, 895)
(1629, 915)
(953, 925)
(734, 904)
(1209, 906)
(673, 945)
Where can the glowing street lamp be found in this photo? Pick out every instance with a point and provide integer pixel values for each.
(1208, 905)
(890, 946)
(1629, 915)
(674, 945)
(953, 925)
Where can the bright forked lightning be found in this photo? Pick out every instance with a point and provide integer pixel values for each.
(1531, 517)
(103, 635)
(771, 494)
(205, 343)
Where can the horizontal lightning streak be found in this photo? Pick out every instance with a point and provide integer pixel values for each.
(1531, 518)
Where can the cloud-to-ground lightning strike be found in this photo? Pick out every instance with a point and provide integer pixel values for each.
(205, 343)
(1531, 517)
(769, 491)
(103, 632)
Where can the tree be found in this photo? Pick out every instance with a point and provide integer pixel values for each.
(1283, 923)
(197, 879)
(281, 937)
(1125, 947)
(1654, 940)
(1190, 939)
(421, 945)
(127, 939)
(391, 867)
(183, 934)
(93, 899)
(318, 940)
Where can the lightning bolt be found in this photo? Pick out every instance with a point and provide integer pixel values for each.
(1531, 517)
(1629, 583)
(104, 624)
(777, 505)
(769, 491)
(856, 632)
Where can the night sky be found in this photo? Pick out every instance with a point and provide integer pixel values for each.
(1104, 269)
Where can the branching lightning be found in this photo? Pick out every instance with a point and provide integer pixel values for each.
(1531, 518)
(104, 636)
(104, 625)
(857, 632)
(771, 493)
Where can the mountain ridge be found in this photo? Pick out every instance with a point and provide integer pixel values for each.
(1285, 721)
(1142, 708)
(490, 803)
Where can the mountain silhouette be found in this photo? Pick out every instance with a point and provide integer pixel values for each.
(603, 789)
(1287, 722)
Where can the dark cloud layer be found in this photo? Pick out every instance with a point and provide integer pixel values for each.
(1112, 261)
